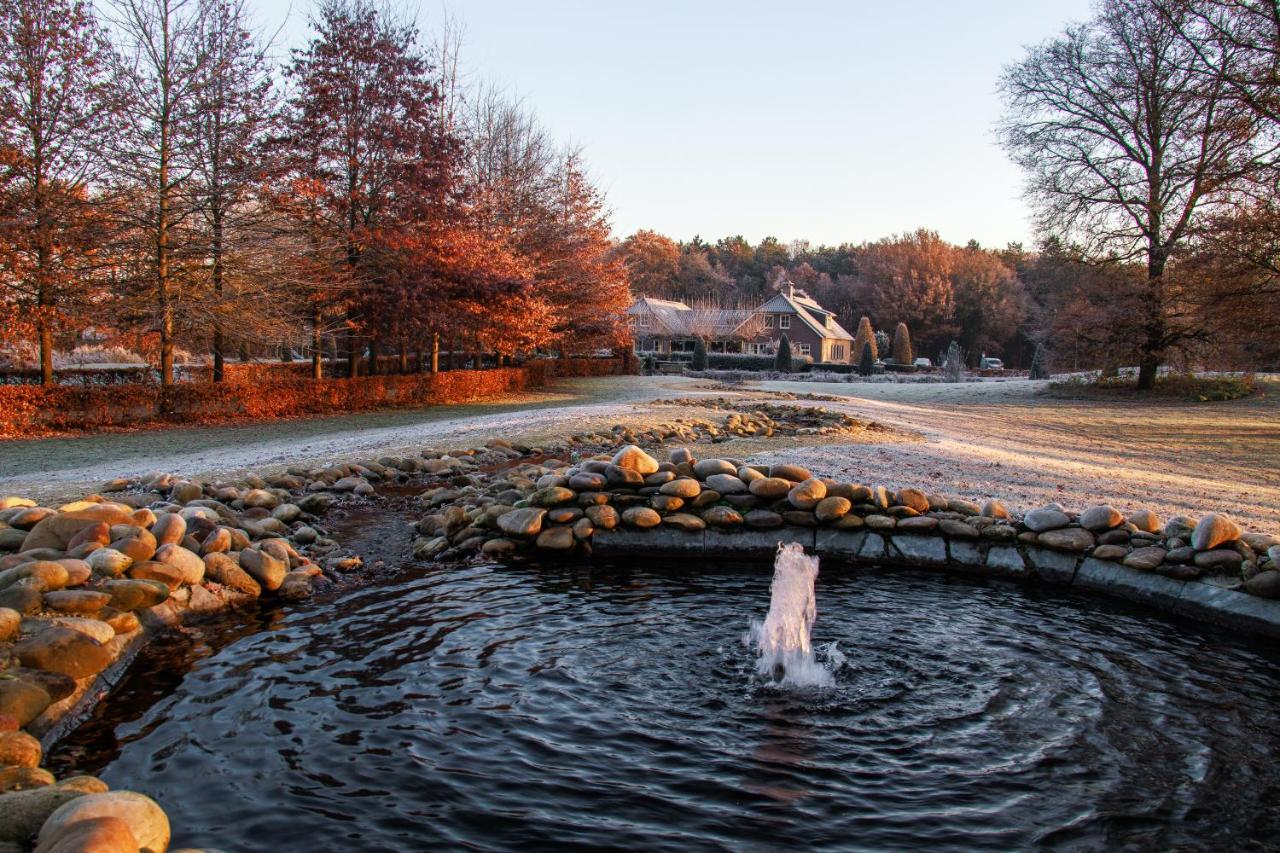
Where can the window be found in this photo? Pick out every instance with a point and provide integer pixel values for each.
(784, 321)
(644, 319)
(768, 321)
(802, 349)
(837, 352)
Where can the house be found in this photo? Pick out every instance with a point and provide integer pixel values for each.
(664, 326)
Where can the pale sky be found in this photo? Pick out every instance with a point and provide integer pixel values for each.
(819, 119)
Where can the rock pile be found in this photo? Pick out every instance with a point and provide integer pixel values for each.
(556, 506)
(756, 420)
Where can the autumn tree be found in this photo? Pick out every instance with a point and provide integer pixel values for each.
(231, 119)
(57, 111)
(990, 303)
(363, 133)
(1130, 142)
(909, 277)
(653, 264)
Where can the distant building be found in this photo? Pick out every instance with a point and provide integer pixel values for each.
(663, 326)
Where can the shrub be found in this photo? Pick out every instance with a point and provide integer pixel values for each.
(953, 363)
(27, 410)
(865, 336)
(902, 352)
(743, 361)
(782, 359)
(867, 361)
(882, 342)
(699, 361)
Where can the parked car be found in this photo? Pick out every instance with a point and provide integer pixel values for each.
(923, 363)
(990, 364)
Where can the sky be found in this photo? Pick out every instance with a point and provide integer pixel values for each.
(827, 120)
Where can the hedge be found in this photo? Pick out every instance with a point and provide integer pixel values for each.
(743, 361)
(29, 410)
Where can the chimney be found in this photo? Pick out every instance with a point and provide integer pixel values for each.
(791, 290)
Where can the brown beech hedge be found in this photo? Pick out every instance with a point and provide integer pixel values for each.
(30, 410)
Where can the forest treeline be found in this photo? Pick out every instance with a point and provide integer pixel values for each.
(168, 183)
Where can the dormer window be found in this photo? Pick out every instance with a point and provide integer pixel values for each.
(644, 319)
(784, 321)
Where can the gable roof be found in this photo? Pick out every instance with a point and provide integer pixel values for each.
(679, 319)
(810, 313)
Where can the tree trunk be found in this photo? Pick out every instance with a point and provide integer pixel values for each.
(317, 355)
(46, 350)
(353, 356)
(218, 342)
(404, 356)
(435, 352)
(1153, 346)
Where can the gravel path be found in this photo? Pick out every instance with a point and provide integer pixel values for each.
(1004, 439)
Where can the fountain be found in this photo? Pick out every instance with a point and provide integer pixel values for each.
(783, 641)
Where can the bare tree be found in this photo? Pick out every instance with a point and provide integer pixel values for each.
(233, 113)
(1129, 146)
(164, 64)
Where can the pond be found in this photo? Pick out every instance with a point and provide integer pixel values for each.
(618, 705)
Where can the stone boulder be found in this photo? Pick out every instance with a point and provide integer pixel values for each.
(1214, 530)
(188, 563)
(726, 484)
(1101, 518)
(685, 521)
(710, 467)
(913, 499)
(222, 569)
(807, 494)
(522, 522)
(832, 508)
(1045, 518)
(22, 700)
(556, 539)
(130, 594)
(99, 835)
(23, 813)
(1145, 559)
(109, 563)
(146, 820)
(722, 516)
(633, 458)
(63, 650)
(267, 570)
(641, 516)
(794, 473)
(682, 487)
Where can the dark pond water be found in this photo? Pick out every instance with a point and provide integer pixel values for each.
(522, 708)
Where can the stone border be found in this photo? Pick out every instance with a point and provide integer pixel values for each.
(1197, 600)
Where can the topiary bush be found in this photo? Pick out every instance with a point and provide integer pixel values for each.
(699, 355)
(782, 359)
(867, 361)
(902, 352)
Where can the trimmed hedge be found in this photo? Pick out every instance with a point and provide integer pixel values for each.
(743, 361)
(30, 410)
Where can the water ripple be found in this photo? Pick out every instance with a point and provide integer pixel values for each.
(495, 707)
